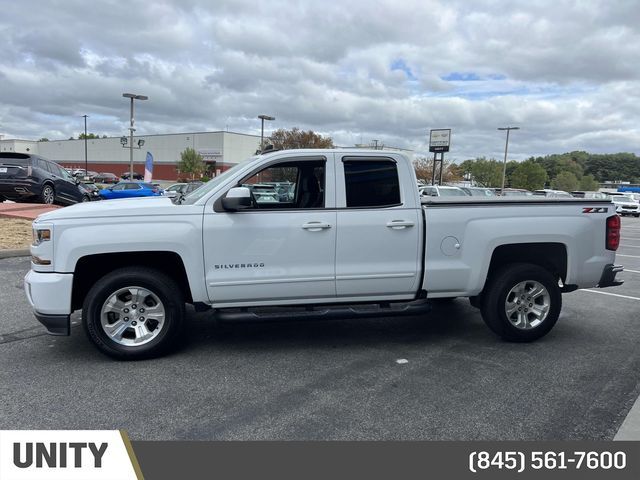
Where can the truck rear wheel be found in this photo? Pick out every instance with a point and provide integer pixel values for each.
(134, 313)
(522, 302)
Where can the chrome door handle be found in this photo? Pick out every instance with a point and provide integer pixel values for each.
(400, 224)
(316, 226)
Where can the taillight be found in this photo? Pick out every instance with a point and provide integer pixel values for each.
(613, 232)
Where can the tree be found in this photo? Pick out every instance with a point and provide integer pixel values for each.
(487, 173)
(424, 167)
(283, 139)
(588, 183)
(528, 175)
(90, 136)
(44, 139)
(191, 163)
(565, 181)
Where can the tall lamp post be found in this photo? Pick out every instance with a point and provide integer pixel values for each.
(506, 148)
(263, 118)
(133, 97)
(86, 165)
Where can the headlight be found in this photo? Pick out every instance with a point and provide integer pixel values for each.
(41, 235)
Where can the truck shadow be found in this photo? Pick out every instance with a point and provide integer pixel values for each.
(455, 320)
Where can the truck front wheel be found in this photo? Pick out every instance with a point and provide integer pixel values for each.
(522, 302)
(134, 313)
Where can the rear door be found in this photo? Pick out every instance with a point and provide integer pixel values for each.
(377, 247)
(282, 250)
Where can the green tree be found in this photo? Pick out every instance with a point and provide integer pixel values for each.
(487, 173)
(44, 139)
(424, 167)
(588, 183)
(283, 139)
(528, 175)
(90, 136)
(191, 163)
(566, 181)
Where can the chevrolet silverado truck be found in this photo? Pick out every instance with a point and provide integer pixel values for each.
(350, 238)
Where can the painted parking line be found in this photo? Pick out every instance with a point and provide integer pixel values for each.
(610, 294)
(629, 246)
(632, 271)
(631, 256)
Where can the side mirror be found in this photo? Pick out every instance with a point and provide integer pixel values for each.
(238, 198)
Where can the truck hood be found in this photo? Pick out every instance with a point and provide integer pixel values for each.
(125, 207)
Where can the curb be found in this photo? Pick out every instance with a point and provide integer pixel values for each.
(15, 253)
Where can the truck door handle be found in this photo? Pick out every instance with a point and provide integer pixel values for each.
(316, 226)
(399, 224)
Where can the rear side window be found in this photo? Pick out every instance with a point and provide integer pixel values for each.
(132, 186)
(371, 183)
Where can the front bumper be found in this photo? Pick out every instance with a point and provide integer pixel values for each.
(49, 294)
(608, 278)
(55, 324)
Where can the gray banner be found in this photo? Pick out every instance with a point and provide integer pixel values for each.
(389, 460)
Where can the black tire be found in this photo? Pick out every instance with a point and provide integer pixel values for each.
(85, 198)
(48, 195)
(160, 285)
(494, 300)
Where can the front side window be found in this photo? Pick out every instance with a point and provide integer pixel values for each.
(132, 186)
(371, 183)
(289, 185)
(118, 187)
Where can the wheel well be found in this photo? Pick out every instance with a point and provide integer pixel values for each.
(91, 268)
(550, 256)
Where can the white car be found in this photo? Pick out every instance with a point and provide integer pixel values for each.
(626, 205)
(441, 191)
(354, 240)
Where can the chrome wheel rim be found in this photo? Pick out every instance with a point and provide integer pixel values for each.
(527, 304)
(132, 316)
(47, 194)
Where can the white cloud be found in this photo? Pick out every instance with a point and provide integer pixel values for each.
(564, 71)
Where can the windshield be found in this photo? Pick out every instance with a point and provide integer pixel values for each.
(201, 191)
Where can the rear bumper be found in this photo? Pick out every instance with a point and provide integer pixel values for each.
(608, 278)
(17, 189)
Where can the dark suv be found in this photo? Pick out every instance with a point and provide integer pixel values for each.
(25, 177)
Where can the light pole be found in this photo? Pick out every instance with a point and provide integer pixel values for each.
(86, 167)
(263, 118)
(133, 97)
(506, 147)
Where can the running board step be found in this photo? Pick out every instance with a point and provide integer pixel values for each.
(325, 312)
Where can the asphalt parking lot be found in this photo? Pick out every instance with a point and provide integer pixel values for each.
(338, 379)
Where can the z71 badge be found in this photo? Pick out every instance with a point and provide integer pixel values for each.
(595, 210)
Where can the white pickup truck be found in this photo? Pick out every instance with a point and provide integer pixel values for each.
(343, 234)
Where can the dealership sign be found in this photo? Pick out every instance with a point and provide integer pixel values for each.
(439, 140)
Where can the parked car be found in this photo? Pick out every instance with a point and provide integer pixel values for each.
(25, 177)
(514, 192)
(130, 190)
(478, 191)
(131, 265)
(106, 177)
(626, 205)
(545, 192)
(136, 176)
(89, 192)
(178, 189)
(441, 191)
(589, 194)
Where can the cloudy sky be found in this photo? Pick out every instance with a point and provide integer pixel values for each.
(566, 72)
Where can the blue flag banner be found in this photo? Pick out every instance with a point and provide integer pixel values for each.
(148, 167)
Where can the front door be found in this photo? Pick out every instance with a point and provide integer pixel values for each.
(282, 249)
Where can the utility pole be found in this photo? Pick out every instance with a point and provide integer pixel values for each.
(86, 165)
(506, 148)
(263, 118)
(133, 97)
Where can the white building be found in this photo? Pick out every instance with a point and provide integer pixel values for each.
(220, 151)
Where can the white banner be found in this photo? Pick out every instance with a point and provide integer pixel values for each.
(66, 455)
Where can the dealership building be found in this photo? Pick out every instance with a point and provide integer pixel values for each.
(220, 151)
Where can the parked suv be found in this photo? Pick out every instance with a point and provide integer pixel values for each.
(25, 177)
